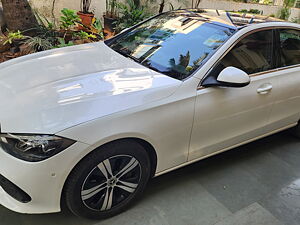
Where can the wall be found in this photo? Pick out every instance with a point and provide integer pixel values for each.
(45, 7)
(235, 6)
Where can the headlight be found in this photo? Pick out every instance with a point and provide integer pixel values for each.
(33, 147)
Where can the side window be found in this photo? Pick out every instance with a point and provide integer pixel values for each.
(290, 47)
(252, 54)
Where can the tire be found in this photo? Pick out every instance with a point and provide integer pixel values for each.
(295, 131)
(107, 180)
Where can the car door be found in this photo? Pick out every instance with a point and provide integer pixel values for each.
(286, 110)
(225, 117)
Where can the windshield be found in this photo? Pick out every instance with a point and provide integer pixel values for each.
(175, 43)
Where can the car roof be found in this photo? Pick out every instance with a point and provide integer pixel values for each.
(231, 19)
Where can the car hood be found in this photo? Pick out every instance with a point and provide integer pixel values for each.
(53, 90)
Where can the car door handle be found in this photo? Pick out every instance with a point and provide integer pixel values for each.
(264, 89)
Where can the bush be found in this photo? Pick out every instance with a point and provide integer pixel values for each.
(37, 44)
(284, 13)
(251, 11)
(69, 18)
(130, 14)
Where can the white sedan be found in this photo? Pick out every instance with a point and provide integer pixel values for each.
(89, 125)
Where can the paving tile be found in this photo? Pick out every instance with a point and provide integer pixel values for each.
(65, 218)
(233, 186)
(252, 215)
(8, 217)
(288, 151)
(177, 202)
(285, 204)
(270, 170)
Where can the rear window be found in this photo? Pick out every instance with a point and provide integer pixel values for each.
(174, 44)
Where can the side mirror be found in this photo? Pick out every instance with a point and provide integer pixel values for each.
(229, 77)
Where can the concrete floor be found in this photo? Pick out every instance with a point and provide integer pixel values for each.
(257, 184)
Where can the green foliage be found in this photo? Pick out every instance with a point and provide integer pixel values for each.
(255, 11)
(13, 36)
(62, 43)
(38, 44)
(244, 1)
(45, 33)
(288, 3)
(130, 14)
(267, 2)
(243, 11)
(251, 11)
(97, 25)
(284, 13)
(69, 18)
(84, 35)
(97, 28)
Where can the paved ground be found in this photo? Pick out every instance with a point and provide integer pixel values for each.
(257, 184)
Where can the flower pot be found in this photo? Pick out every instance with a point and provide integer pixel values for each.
(86, 19)
(109, 24)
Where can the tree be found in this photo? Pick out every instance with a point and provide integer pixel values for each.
(18, 15)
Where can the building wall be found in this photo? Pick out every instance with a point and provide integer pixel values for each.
(45, 8)
(98, 6)
(235, 6)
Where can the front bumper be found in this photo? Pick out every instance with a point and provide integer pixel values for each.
(42, 181)
(13, 190)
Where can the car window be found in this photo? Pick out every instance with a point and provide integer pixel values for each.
(175, 44)
(290, 47)
(252, 54)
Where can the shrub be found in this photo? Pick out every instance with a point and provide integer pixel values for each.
(69, 18)
(284, 13)
(130, 14)
(37, 44)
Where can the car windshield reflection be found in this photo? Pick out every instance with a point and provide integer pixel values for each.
(175, 43)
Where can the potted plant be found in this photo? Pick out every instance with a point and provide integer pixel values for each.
(68, 21)
(110, 16)
(85, 15)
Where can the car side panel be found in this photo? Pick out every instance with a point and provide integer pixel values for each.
(225, 117)
(286, 109)
(165, 124)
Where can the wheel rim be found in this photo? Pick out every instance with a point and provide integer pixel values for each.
(111, 182)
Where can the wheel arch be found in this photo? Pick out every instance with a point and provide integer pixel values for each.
(146, 145)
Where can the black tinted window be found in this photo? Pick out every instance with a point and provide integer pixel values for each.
(252, 54)
(290, 47)
(175, 44)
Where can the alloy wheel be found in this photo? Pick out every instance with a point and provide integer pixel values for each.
(111, 182)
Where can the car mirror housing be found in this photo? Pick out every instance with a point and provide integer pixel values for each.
(229, 77)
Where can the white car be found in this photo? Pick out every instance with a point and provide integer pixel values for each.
(89, 125)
